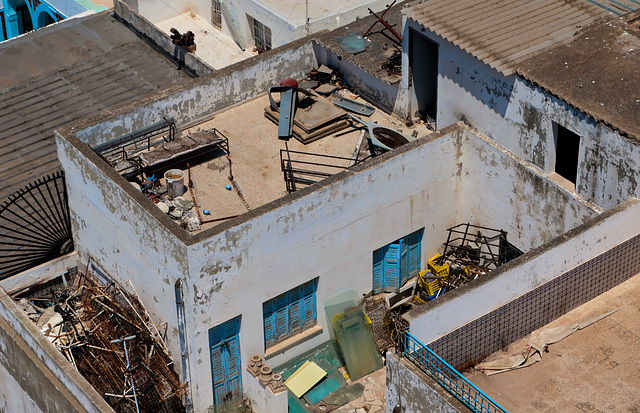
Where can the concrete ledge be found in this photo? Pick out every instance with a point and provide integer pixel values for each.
(285, 345)
(40, 274)
(414, 391)
(145, 28)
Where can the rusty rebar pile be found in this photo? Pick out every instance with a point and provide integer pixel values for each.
(85, 319)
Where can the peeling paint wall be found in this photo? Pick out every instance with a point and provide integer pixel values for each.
(262, 398)
(330, 233)
(516, 278)
(111, 227)
(369, 86)
(498, 106)
(503, 192)
(412, 390)
(208, 94)
(519, 116)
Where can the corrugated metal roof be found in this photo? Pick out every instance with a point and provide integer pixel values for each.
(504, 33)
(73, 70)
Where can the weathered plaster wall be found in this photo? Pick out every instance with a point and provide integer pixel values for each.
(129, 240)
(41, 273)
(414, 391)
(205, 95)
(159, 10)
(502, 192)
(262, 398)
(517, 277)
(519, 116)
(284, 27)
(34, 375)
(330, 233)
(144, 27)
(369, 86)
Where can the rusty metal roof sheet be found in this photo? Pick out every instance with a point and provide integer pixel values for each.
(504, 33)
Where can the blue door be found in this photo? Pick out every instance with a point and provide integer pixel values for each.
(396, 262)
(225, 363)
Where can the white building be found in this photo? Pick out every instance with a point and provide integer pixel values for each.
(504, 166)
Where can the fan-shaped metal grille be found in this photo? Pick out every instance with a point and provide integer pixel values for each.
(35, 226)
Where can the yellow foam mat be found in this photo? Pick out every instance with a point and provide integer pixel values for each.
(307, 376)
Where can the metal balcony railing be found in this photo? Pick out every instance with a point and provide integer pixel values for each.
(448, 377)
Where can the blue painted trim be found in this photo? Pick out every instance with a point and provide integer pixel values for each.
(224, 350)
(624, 6)
(617, 13)
(290, 313)
(396, 262)
(454, 382)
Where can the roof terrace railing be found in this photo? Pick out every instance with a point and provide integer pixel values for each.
(448, 377)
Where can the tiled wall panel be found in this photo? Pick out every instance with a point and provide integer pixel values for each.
(493, 331)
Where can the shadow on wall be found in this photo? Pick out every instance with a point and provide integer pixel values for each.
(133, 4)
(481, 81)
(431, 59)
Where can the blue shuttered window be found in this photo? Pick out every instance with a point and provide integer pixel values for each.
(290, 313)
(225, 362)
(378, 270)
(396, 262)
(415, 247)
(392, 267)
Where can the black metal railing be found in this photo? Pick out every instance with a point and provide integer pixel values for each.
(35, 225)
(307, 168)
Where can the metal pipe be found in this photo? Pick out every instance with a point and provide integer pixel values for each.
(184, 347)
(387, 25)
(126, 353)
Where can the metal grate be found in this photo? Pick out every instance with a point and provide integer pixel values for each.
(493, 331)
(35, 225)
(216, 14)
(446, 376)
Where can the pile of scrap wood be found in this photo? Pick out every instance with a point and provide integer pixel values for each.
(87, 320)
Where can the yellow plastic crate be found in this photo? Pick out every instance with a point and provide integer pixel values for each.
(429, 285)
(439, 270)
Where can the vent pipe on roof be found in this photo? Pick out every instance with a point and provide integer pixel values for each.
(184, 348)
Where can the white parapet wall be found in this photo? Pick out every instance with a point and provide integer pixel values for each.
(560, 255)
(200, 99)
(412, 390)
(40, 274)
(328, 231)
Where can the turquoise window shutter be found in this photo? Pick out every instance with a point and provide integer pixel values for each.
(392, 267)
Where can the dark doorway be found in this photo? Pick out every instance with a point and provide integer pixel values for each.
(423, 60)
(567, 148)
(4, 26)
(24, 19)
(44, 19)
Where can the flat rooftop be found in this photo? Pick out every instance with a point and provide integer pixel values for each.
(255, 157)
(597, 72)
(594, 369)
(212, 46)
(72, 70)
(381, 43)
(296, 14)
